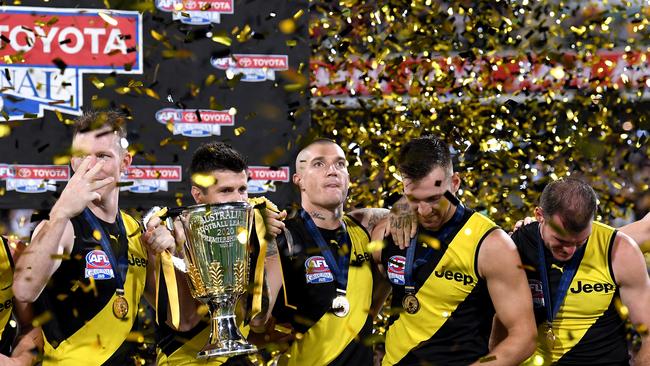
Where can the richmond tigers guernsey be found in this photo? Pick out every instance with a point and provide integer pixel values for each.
(83, 329)
(453, 324)
(587, 326)
(305, 300)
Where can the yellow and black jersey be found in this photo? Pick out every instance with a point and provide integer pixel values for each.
(78, 300)
(7, 333)
(587, 326)
(453, 324)
(309, 287)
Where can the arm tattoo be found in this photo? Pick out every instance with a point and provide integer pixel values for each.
(375, 215)
(272, 248)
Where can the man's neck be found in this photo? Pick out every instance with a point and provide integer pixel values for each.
(450, 214)
(324, 218)
(106, 209)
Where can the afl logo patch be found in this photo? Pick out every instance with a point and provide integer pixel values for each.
(317, 270)
(396, 269)
(98, 266)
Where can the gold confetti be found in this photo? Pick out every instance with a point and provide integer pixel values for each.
(5, 130)
(203, 180)
(97, 235)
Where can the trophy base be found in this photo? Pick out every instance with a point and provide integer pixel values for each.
(230, 348)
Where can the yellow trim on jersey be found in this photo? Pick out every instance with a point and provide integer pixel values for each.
(450, 283)
(186, 354)
(588, 297)
(6, 280)
(97, 340)
(326, 339)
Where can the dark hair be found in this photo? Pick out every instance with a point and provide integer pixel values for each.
(216, 156)
(420, 156)
(572, 199)
(95, 120)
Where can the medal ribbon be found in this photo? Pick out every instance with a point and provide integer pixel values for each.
(340, 269)
(567, 276)
(119, 268)
(409, 286)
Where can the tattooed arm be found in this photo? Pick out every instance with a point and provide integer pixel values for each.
(369, 217)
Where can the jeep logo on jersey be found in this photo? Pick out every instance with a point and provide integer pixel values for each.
(317, 270)
(593, 287)
(197, 12)
(98, 266)
(395, 269)
(150, 178)
(252, 67)
(455, 276)
(44, 53)
(33, 178)
(263, 178)
(195, 122)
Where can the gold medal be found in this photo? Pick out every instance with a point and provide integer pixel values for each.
(410, 304)
(550, 336)
(120, 307)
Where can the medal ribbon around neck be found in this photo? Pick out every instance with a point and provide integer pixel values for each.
(565, 281)
(119, 268)
(409, 285)
(340, 269)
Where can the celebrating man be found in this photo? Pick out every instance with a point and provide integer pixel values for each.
(89, 255)
(326, 276)
(457, 271)
(581, 273)
(219, 175)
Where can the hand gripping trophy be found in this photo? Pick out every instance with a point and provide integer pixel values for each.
(217, 262)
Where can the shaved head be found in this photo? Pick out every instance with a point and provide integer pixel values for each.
(303, 155)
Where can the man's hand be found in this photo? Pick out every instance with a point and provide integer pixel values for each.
(403, 223)
(521, 223)
(273, 221)
(81, 190)
(158, 238)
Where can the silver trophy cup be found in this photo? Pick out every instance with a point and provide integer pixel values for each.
(216, 258)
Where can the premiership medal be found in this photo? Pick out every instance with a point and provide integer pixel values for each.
(410, 304)
(120, 306)
(340, 306)
(550, 336)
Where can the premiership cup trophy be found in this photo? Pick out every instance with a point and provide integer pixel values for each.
(216, 258)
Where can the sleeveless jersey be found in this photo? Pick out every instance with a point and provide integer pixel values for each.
(587, 326)
(82, 328)
(7, 333)
(453, 324)
(308, 290)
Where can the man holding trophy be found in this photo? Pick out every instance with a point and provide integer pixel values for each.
(216, 257)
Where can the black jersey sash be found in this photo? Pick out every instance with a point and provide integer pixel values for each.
(330, 335)
(453, 279)
(100, 337)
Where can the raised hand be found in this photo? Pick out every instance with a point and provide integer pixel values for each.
(81, 189)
